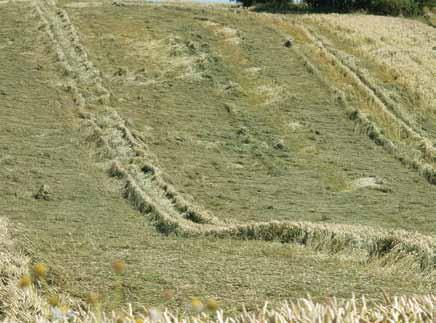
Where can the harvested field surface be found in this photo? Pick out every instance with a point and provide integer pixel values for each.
(398, 55)
(281, 138)
(170, 136)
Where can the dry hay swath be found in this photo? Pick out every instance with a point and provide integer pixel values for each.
(404, 46)
(84, 4)
(419, 153)
(16, 304)
(144, 185)
(25, 304)
(115, 142)
(171, 213)
(229, 34)
(171, 55)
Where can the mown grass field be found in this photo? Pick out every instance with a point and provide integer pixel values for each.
(204, 69)
(239, 126)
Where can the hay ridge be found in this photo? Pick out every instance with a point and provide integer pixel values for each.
(106, 128)
(387, 108)
(420, 152)
(126, 156)
(130, 160)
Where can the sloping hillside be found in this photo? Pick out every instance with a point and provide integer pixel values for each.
(191, 143)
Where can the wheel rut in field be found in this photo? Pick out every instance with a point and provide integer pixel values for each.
(127, 157)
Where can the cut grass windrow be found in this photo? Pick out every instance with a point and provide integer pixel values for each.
(106, 127)
(26, 304)
(374, 92)
(129, 159)
(387, 108)
(416, 143)
(334, 238)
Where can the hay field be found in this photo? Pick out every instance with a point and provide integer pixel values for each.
(281, 137)
(397, 53)
(217, 163)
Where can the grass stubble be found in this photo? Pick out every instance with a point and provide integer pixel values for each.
(171, 212)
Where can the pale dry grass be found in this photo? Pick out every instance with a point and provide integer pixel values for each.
(16, 304)
(385, 122)
(25, 304)
(228, 34)
(87, 4)
(403, 47)
(271, 93)
(172, 213)
(145, 187)
(170, 56)
(396, 309)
